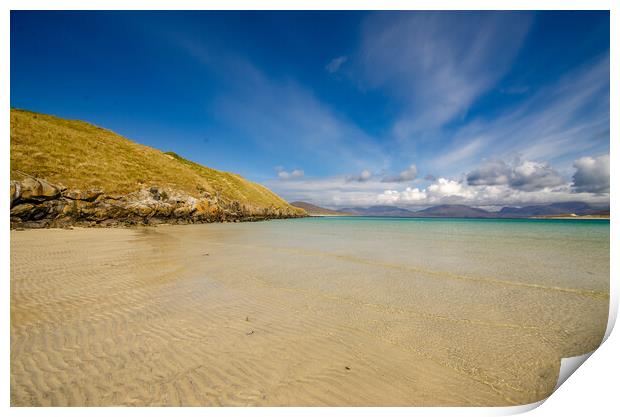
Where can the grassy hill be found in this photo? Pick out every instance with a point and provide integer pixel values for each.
(80, 155)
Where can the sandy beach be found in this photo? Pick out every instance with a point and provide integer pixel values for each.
(254, 314)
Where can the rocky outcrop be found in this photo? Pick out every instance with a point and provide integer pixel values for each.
(33, 190)
(35, 203)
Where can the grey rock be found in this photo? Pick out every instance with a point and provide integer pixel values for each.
(87, 195)
(33, 189)
(22, 210)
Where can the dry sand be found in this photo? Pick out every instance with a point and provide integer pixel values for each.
(196, 315)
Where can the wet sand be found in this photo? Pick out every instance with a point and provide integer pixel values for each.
(249, 314)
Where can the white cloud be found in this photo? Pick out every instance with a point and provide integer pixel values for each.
(530, 176)
(363, 176)
(491, 172)
(408, 174)
(285, 175)
(335, 64)
(408, 196)
(592, 174)
(445, 190)
(519, 174)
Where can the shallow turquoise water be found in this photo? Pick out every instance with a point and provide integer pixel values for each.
(566, 253)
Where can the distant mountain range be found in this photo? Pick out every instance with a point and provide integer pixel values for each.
(379, 211)
(453, 210)
(575, 208)
(445, 210)
(313, 210)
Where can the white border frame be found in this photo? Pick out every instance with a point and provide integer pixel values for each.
(592, 390)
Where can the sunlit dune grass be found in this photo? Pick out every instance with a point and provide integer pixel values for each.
(80, 155)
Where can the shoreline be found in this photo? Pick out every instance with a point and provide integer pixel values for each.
(132, 223)
(584, 217)
(155, 222)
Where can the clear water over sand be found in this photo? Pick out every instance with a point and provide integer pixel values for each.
(317, 311)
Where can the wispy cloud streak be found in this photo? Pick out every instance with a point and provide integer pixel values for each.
(438, 63)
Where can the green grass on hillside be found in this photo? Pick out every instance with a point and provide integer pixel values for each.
(80, 155)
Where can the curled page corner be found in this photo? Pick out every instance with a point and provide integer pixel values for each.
(613, 314)
(520, 409)
(568, 366)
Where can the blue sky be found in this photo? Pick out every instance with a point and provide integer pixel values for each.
(342, 108)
